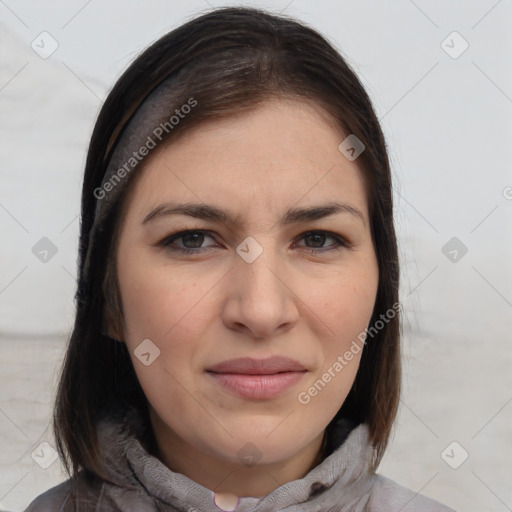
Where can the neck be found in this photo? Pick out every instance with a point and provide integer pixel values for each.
(223, 476)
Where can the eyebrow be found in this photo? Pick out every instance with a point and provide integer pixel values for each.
(215, 214)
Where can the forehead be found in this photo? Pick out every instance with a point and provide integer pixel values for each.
(283, 153)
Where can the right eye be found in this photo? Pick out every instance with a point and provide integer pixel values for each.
(191, 241)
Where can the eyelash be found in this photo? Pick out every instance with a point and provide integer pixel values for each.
(340, 241)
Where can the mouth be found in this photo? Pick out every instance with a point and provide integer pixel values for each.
(257, 387)
(258, 379)
(250, 366)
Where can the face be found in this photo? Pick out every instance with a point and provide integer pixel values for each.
(254, 276)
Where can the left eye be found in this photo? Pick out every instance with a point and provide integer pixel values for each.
(192, 241)
(320, 236)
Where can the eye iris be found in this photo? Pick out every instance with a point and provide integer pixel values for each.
(318, 237)
(197, 240)
(192, 240)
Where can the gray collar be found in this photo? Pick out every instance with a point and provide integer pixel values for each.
(342, 481)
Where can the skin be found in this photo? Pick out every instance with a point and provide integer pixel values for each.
(203, 308)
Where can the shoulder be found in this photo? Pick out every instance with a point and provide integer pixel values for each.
(63, 497)
(387, 495)
(56, 499)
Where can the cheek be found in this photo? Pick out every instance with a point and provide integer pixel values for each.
(166, 305)
(171, 309)
(343, 304)
(343, 301)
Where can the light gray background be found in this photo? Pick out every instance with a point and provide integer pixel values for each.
(447, 123)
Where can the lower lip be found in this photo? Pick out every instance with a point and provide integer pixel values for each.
(258, 387)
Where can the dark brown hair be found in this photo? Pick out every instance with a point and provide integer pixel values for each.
(230, 60)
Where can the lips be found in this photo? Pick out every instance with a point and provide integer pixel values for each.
(249, 366)
(257, 379)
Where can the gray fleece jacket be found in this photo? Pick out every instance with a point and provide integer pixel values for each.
(140, 482)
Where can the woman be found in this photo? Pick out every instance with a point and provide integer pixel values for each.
(236, 344)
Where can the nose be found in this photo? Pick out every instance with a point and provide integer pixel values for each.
(260, 300)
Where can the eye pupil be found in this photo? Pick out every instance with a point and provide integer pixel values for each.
(318, 236)
(191, 242)
(194, 237)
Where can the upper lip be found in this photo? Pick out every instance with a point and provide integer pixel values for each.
(249, 366)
